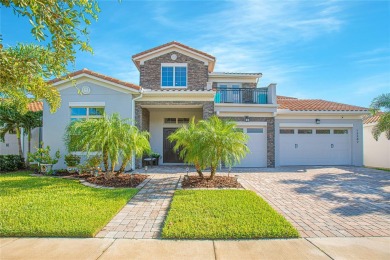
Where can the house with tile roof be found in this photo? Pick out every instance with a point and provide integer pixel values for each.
(178, 82)
(376, 152)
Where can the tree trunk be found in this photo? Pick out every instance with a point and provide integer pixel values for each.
(212, 172)
(123, 166)
(19, 141)
(199, 170)
(105, 160)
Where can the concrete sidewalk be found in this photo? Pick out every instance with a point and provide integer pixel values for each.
(105, 248)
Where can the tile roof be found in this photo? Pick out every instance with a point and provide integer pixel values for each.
(315, 105)
(174, 43)
(35, 106)
(284, 97)
(98, 75)
(372, 118)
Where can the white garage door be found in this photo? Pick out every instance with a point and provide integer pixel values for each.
(257, 145)
(303, 146)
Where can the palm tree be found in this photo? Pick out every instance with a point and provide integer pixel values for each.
(11, 119)
(223, 143)
(107, 135)
(188, 141)
(134, 141)
(383, 125)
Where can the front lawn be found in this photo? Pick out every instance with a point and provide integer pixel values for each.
(224, 214)
(53, 207)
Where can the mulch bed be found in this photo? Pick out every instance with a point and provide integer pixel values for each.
(122, 180)
(218, 182)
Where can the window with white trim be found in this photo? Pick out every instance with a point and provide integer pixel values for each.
(174, 75)
(83, 113)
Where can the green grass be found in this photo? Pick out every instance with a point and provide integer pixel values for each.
(224, 214)
(52, 207)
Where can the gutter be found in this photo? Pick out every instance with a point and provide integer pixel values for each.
(133, 122)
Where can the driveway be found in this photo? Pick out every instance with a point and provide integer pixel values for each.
(327, 201)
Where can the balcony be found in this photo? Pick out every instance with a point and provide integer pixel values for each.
(242, 96)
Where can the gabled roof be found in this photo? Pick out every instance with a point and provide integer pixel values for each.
(97, 75)
(139, 58)
(294, 104)
(172, 43)
(372, 118)
(35, 106)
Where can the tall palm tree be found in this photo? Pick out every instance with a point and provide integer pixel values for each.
(223, 143)
(188, 142)
(383, 125)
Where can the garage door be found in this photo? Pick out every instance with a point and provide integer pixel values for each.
(257, 144)
(304, 146)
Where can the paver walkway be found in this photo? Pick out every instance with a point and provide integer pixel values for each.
(144, 214)
(327, 202)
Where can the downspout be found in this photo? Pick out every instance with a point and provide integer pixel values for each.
(133, 122)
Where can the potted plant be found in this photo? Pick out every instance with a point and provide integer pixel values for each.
(44, 160)
(156, 156)
(72, 161)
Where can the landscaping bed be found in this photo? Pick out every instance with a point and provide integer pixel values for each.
(217, 182)
(122, 180)
(224, 214)
(55, 207)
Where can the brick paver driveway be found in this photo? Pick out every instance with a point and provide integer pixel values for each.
(319, 202)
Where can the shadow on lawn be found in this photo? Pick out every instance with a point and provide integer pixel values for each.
(358, 191)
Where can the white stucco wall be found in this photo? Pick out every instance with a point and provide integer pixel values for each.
(10, 145)
(54, 124)
(376, 153)
(157, 116)
(357, 135)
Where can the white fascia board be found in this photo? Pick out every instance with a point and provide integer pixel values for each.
(245, 105)
(179, 93)
(370, 124)
(173, 47)
(310, 125)
(79, 79)
(245, 108)
(253, 124)
(87, 104)
(289, 112)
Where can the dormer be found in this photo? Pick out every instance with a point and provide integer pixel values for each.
(174, 66)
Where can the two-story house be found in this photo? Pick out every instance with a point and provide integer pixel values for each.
(178, 82)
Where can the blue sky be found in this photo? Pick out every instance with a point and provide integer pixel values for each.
(333, 50)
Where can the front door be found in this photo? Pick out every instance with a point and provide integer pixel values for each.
(169, 155)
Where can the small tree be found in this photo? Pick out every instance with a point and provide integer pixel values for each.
(188, 142)
(383, 125)
(223, 143)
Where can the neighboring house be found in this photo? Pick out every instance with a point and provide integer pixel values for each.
(10, 144)
(376, 153)
(178, 82)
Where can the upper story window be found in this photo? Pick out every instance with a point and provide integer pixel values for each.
(174, 75)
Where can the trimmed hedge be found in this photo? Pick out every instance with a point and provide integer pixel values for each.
(11, 162)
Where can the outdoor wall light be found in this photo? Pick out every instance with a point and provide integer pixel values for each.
(247, 119)
(318, 121)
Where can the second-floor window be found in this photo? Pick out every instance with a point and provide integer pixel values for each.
(174, 75)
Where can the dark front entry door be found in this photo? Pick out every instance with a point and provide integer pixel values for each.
(169, 155)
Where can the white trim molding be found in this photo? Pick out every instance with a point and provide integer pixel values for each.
(251, 124)
(310, 125)
(87, 104)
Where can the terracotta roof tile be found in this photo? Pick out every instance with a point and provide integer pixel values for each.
(174, 43)
(98, 75)
(35, 106)
(284, 97)
(372, 118)
(315, 105)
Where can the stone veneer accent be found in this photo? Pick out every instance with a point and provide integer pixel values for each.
(270, 135)
(145, 119)
(197, 71)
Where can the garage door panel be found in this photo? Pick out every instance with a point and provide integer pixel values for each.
(315, 149)
(257, 144)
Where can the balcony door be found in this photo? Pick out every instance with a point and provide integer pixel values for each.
(230, 93)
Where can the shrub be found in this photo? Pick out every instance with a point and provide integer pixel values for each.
(72, 160)
(42, 156)
(11, 162)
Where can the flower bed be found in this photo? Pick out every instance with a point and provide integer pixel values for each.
(217, 182)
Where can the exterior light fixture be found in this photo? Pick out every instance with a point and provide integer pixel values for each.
(146, 168)
(247, 119)
(318, 121)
